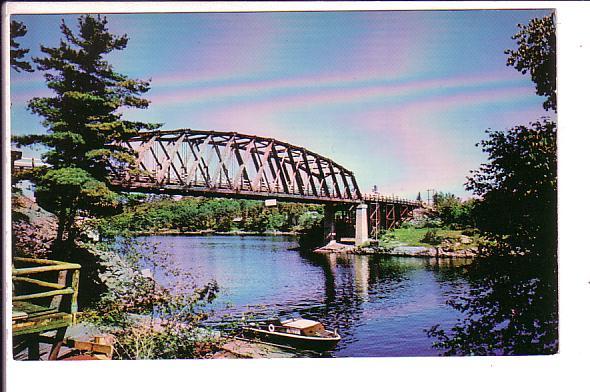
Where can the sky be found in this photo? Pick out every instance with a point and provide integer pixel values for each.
(398, 97)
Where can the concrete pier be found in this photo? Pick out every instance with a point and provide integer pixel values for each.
(329, 223)
(362, 225)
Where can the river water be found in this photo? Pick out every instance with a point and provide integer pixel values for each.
(381, 305)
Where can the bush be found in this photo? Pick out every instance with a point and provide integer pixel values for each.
(431, 237)
(470, 231)
(150, 319)
(407, 225)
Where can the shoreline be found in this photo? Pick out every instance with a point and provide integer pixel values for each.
(399, 251)
(213, 232)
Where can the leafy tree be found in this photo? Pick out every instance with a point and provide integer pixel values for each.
(83, 119)
(519, 188)
(452, 211)
(518, 185)
(511, 307)
(536, 54)
(18, 29)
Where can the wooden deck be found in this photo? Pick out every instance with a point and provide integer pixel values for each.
(44, 303)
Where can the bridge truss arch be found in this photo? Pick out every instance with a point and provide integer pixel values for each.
(214, 163)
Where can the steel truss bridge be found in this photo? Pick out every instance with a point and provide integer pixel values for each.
(230, 164)
(212, 163)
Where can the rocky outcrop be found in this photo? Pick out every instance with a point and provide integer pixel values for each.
(402, 251)
(33, 228)
(335, 247)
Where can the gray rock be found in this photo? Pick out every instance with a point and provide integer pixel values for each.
(413, 251)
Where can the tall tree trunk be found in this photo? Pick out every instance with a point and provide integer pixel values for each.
(57, 247)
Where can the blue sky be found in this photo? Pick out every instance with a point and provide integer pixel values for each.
(398, 97)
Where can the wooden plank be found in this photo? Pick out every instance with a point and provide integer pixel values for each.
(61, 279)
(43, 261)
(106, 349)
(44, 294)
(36, 270)
(38, 282)
(42, 324)
(75, 284)
(32, 310)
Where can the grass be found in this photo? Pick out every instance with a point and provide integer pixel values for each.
(414, 237)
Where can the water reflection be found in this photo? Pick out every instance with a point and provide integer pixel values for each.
(510, 309)
(381, 305)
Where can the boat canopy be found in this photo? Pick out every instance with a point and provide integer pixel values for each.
(300, 324)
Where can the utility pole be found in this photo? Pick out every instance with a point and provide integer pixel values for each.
(433, 192)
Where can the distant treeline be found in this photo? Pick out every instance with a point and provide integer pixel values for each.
(191, 214)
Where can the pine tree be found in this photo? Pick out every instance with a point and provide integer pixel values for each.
(84, 125)
(18, 29)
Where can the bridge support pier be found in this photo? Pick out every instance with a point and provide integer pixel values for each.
(362, 225)
(329, 223)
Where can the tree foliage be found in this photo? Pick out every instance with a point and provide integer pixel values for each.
(71, 191)
(518, 186)
(84, 114)
(536, 54)
(83, 120)
(512, 305)
(152, 306)
(224, 215)
(452, 211)
(17, 54)
(511, 309)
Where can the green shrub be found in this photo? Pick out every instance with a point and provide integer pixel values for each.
(431, 237)
(407, 225)
(148, 319)
(470, 231)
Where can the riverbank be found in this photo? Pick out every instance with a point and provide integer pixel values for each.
(400, 251)
(415, 242)
(213, 232)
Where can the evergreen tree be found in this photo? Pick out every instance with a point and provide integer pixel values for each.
(84, 125)
(18, 29)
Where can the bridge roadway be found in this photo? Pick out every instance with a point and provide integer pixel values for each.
(236, 165)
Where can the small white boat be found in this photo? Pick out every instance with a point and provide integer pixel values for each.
(295, 332)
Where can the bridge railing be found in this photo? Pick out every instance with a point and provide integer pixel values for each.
(28, 163)
(372, 197)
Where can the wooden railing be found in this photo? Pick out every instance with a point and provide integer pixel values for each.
(45, 298)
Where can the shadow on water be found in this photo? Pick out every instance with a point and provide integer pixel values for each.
(510, 309)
